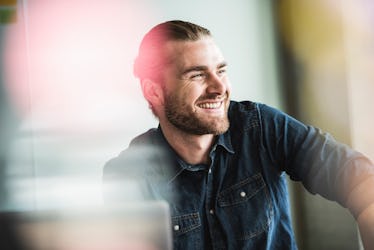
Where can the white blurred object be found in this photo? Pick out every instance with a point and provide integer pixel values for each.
(132, 226)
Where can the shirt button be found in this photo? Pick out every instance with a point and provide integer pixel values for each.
(211, 211)
(243, 194)
(176, 227)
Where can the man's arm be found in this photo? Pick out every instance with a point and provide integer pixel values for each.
(361, 203)
(324, 166)
(366, 225)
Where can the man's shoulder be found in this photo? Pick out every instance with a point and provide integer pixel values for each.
(242, 106)
(248, 115)
(243, 112)
(132, 153)
(252, 110)
(144, 138)
(142, 151)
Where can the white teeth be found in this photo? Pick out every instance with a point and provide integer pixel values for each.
(214, 105)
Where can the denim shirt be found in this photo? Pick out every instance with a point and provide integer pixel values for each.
(240, 200)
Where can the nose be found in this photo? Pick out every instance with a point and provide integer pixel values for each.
(217, 85)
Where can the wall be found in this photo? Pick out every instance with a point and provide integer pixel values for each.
(328, 47)
(68, 73)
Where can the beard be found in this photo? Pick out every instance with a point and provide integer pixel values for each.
(184, 118)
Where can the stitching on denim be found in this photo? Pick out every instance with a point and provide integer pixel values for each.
(176, 175)
(257, 178)
(266, 226)
(195, 219)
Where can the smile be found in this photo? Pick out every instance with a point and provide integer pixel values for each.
(210, 105)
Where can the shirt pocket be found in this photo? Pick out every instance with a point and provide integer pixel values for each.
(246, 207)
(186, 231)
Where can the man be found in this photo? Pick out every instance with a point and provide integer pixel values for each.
(220, 164)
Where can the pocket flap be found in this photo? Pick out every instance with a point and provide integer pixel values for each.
(242, 191)
(185, 223)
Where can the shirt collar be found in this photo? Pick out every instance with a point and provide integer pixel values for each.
(223, 140)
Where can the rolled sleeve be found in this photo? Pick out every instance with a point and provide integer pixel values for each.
(324, 166)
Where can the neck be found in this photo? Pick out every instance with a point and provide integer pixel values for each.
(193, 149)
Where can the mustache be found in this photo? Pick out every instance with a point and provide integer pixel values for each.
(213, 97)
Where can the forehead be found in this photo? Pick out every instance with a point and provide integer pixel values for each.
(203, 52)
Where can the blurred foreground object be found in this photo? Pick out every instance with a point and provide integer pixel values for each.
(133, 226)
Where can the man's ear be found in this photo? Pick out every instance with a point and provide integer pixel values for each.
(152, 91)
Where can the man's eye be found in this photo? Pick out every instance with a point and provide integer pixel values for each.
(197, 76)
(221, 71)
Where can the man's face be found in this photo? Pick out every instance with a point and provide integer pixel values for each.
(196, 87)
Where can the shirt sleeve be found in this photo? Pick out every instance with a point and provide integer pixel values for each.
(324, 165)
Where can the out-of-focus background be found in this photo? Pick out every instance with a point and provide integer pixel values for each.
(69, 101)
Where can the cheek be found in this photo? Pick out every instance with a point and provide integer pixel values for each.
(194, 91)
(187, 95)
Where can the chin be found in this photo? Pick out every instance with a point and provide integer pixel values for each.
(220, 127)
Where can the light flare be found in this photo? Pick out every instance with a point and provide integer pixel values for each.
(69, 63)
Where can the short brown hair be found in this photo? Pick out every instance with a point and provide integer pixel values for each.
(150, 59)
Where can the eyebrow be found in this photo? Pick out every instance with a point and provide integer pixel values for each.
(194, 68)
(202, 68)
